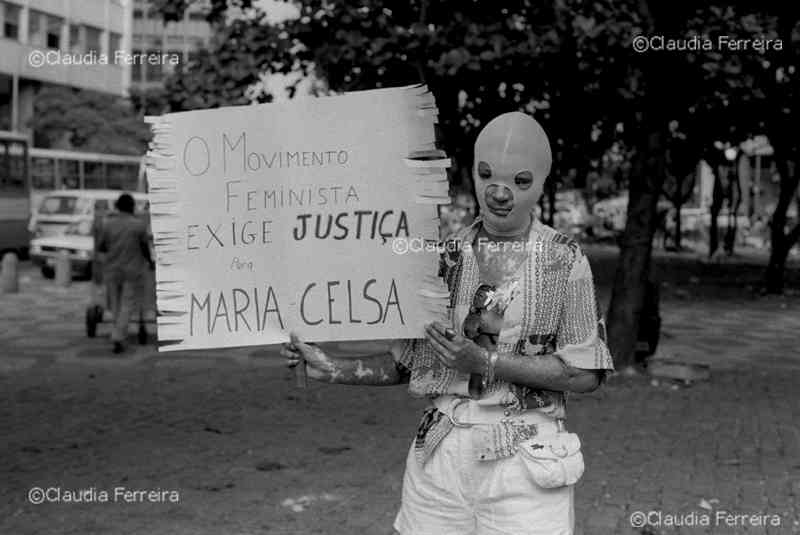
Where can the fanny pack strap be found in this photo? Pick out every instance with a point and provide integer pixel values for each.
(449, 406)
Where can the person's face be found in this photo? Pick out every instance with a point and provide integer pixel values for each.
(512, 161)
(507, 190)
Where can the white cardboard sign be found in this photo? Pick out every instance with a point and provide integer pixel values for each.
(304, 216)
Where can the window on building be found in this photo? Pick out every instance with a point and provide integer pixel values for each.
(43, 176)
(146, 42)
(122, 176)
(54, 25)
(154, 70)
(138, 14)
(114, 42)
(169, 64)
(11, 21)
(75, 44)
(93, 40)
(93, 175)
(36, 28)
(136, 68)
(70, 173)
(197, 16)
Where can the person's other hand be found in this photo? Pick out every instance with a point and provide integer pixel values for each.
(319, 366)
(454, 350)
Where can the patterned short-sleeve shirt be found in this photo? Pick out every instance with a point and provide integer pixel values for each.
(554, 312)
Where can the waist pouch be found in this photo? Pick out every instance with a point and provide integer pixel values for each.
(551, 454)
(553, 460)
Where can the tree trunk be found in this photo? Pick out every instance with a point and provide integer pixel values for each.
(779, 253)
(776, 267)
(714, 209)
(733, 227)
(734, 203)
(683, 198)
(784, 141)
(780, 242)
(646, 183)
(633, 267)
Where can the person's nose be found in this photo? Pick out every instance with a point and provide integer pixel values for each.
(500, 194)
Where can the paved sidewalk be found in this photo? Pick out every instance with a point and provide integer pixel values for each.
(250, 454)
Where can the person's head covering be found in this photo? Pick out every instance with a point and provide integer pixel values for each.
(513, 141)
(512, 161)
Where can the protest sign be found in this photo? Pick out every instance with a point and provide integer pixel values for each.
(315, 216)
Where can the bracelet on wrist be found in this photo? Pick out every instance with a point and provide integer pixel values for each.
(493, 363)
(488, 376)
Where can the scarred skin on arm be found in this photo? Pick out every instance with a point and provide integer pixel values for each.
(372, 370)
(548, 372)
(544, 371)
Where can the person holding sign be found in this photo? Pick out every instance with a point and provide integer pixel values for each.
(492, 454)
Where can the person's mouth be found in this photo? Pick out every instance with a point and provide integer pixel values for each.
(500, 211)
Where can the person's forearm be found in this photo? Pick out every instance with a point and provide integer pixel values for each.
(548, 372)
(374, 370)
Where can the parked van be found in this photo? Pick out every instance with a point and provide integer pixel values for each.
(60, 209)
(66, 221)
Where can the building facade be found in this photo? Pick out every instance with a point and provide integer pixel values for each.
(81, 44)
(152, 37)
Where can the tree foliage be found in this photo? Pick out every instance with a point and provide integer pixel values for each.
(562, 62)
(88, 121)
(568, 62)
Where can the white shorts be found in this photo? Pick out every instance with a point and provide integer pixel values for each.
(456, 494)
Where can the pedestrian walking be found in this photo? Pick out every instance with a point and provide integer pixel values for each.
(125, 242)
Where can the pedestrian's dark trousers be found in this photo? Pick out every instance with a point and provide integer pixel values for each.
(124, 294)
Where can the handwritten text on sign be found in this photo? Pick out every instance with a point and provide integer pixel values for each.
(287, 214)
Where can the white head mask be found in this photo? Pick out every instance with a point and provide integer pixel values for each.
(512, 161)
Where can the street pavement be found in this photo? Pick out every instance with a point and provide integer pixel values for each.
(249, 453)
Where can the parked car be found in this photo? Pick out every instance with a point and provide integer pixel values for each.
(77, 236)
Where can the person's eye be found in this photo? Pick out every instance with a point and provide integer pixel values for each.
(484, 171)
(524, 180)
